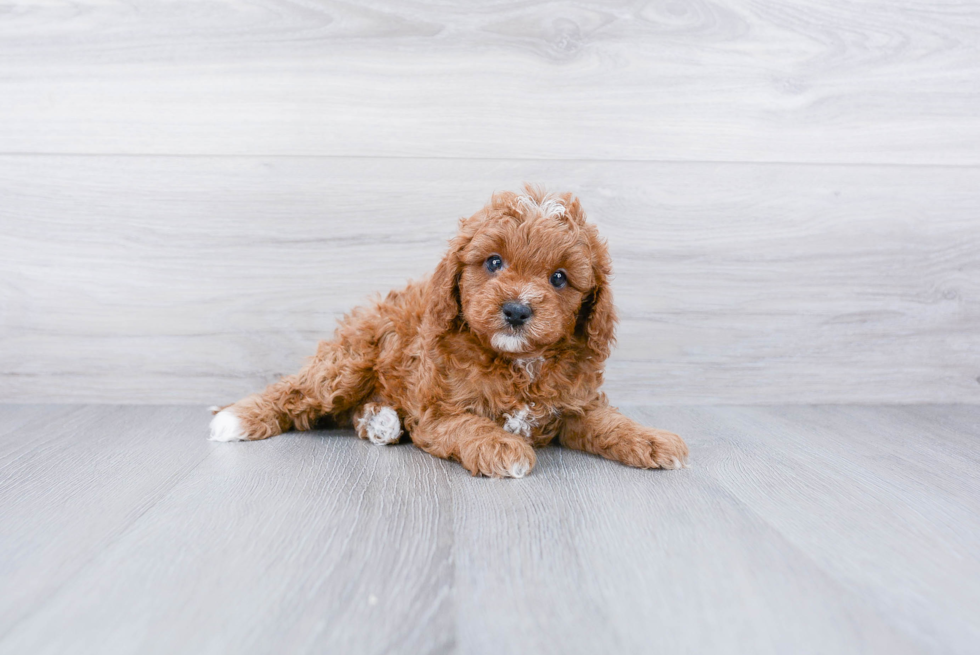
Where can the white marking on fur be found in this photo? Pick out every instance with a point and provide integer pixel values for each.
(531, 366)
(520, 422)
(519, 468)
(676, 462)
(382, 426)
(529, 295)
(553, 209)
(527, 202)
(508, 343)
(550, 208)
(225, 426)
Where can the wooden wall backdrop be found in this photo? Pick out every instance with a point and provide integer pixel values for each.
(192, 192)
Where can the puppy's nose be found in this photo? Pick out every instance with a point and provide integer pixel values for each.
(516, 313)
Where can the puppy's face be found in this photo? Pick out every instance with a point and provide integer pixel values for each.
(524, 275)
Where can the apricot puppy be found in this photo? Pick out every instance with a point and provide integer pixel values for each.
(501, 350)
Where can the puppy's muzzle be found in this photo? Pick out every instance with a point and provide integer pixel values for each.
(516, 314)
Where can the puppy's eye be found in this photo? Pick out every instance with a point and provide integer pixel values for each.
(559, 279)
(494, 263)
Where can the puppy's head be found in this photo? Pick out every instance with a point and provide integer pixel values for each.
(524, 273)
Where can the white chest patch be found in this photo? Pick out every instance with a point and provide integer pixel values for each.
(520, 422)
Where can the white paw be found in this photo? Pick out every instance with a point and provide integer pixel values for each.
(519, 468)
(225, 426)
(381, 426)
(520, 423)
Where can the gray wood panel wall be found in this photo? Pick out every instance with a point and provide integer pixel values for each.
(191, 193)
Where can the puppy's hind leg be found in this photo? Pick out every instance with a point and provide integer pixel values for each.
(334, 381)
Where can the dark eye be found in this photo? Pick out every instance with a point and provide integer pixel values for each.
(494, 263)
(559, 279)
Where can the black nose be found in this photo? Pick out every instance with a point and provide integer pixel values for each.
(516, 313)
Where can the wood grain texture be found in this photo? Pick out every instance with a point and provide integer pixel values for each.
(885, 502)
(184, 279)
(845, 529)
(60, 496)
(307, 540)
(718, 80)
(611, 559)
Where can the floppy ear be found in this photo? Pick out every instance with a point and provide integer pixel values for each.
(597, 316)
(443, 308)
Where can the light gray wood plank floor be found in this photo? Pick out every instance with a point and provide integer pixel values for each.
(798, 529)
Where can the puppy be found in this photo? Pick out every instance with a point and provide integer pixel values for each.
(500, 351)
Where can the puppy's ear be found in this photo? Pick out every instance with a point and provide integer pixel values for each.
(443, 307)
(597, 316)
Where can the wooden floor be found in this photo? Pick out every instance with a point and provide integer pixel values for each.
(824, 529)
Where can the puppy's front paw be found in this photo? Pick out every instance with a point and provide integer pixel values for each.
(226, 426)
(649, 448)
(500, 456)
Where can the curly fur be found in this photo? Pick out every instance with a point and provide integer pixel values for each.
(463, 383)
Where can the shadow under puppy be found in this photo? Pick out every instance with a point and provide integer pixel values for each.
(501, 350)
